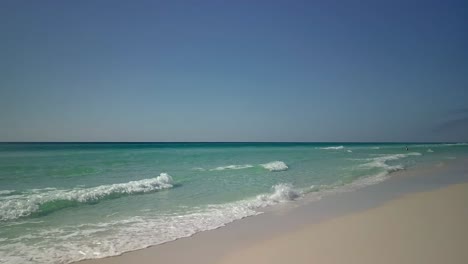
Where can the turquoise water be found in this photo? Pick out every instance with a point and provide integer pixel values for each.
(63, 202)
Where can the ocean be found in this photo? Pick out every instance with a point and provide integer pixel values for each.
(64, 202)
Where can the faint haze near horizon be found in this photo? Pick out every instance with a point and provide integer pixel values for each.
(235, 71)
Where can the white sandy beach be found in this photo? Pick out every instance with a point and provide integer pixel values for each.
(428, 227)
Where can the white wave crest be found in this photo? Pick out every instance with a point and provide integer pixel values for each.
(380, 162)
(338, 147)
(349, 151)
(281, 193)
(456, 144)
(430, 150)
(6, 192)
(275, 166)
(271, 166)
(17, 206)
(232, 167)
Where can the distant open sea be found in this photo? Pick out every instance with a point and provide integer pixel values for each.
(63, 202)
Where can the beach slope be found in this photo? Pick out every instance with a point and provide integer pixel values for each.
(426, 227)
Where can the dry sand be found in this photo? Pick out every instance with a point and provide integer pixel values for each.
(428, 227)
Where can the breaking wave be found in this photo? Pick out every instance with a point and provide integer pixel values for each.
(271, 166)
(232, 167)
(275, 166)
(45, 201)
(381, 161)
(456, 144)
(338, 147)
(6, 192)
(282, 192)
(140, 231)
(435, 145)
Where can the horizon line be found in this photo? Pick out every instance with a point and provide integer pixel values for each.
(235, 142)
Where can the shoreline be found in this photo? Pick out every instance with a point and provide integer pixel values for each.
(424, 227)
(204, 247)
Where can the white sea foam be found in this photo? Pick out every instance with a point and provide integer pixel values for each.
(275, 166)
(117, 236)
(232, 167)
(435, 145)
(356, 184)
(430, 150)
(282, 192)
(335, 148)
(17, 206)
(380, 162)
(349, 151)
(271, 166)
(456, 144)
(6, 192)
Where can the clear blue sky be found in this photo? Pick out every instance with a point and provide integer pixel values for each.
(236, 71)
